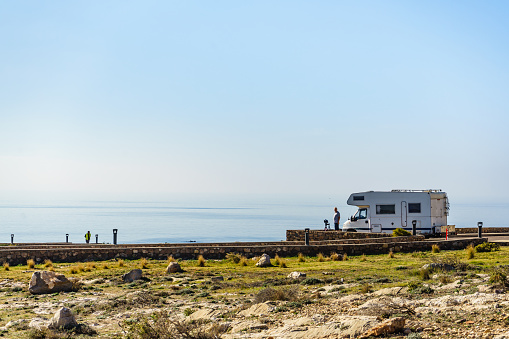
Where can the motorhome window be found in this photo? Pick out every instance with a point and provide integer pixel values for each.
(385, 209)
(358, 197)
(363, 213)
(414, 208)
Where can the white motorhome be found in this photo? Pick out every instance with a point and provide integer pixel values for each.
(383, 212)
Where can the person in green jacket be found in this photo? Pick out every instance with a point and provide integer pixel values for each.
(87, 237)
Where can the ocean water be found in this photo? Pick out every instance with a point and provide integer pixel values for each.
(195, 219)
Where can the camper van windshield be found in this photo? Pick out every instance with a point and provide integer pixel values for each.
(361, 214)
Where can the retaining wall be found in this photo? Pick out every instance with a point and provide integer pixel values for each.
(19, 256)
(319, 235)
(464, 230)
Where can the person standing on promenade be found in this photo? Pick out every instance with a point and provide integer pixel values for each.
(337, 215)
(87, 237)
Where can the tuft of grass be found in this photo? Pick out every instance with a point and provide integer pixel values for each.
(73, 270)
(435, 249)
(105, 266)
(391, 255)
(30, 263)
(121, 263)
(320, 257)
(144, 263)
(243, 261)
(470, 252)
(444, 279)
(282, 263)
(399, 232)
(366, 288)
(6, 266)
(277, 260)
(424, 273)
(48, 263)
(336, 257)
(301, 258)
(363, 258)
(345, 257)
(201, 261)
(272, 294)
(233, 257)
(171, 259)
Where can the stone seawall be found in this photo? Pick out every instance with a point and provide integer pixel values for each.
(19, 256)
(465, 230)
(319, 235)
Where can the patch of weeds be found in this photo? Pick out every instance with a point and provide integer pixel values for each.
(424, 273)
(311, 281)
(30, 263)
(390, 255)
(233, 257)
(400, 232)
(337, 289)
(6, 266)
(272, 294)
(294, 304)
(366, 288)
(188, 311)
(201, 261)
(499, 277)
(487, 247)
(320, 257)
(435, 248)
(470, 252)
(336, 257)
(203, 295)
(301, 258)
(281, 309)
(399, 268)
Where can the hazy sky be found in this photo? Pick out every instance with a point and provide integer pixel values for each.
(148, 98)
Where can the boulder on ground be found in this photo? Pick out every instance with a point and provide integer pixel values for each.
(49, 282)
(296, 275)
(389, 326)
(63, 318)
(174, 267)
(264, 261)
(132, 276)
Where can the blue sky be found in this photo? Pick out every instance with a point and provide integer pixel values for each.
(138, 99)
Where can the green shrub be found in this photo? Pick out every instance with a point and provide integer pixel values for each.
(399, 232)
(233, 257)
(487, 247)
(311, 281)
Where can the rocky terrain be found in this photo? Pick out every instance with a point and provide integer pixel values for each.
(363, 297)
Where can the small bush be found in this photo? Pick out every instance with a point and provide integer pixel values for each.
(144, 263)
(498, 277)
(336, 257)
(320, 257)
(233, 257)
(105, 266)
(345, 257)
(391, 255)
(273, 294)
(282, 263)
(363, 258)
(30, 263)
(48, 263)
(301, 258)
(444, 279)
(6, 266)
(189, 311)
(120, 262)
(366, 288)
(435, 249)
(424, 273)
(201, 261)
(171, 259)
(277, 260)
(487, 247)
(399, 232)
(470, 252)
(243, 261)
(311, 281)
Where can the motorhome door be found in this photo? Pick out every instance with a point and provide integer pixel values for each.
(403, 214)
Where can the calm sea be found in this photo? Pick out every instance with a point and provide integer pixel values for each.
(192, 219)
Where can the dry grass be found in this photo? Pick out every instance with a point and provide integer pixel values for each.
(277, 260)
(105, 266)
(6, 266)
(120, 263)
(336, 257)
(48, 263)
(345, 257)
(243, 261)
(320, 257)
(30, 263)
(301, 258)
(435, 249)
(363, 258)
(201, 261)
(391, 255)
(470, 251)
(171, 259)
(144, 263)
